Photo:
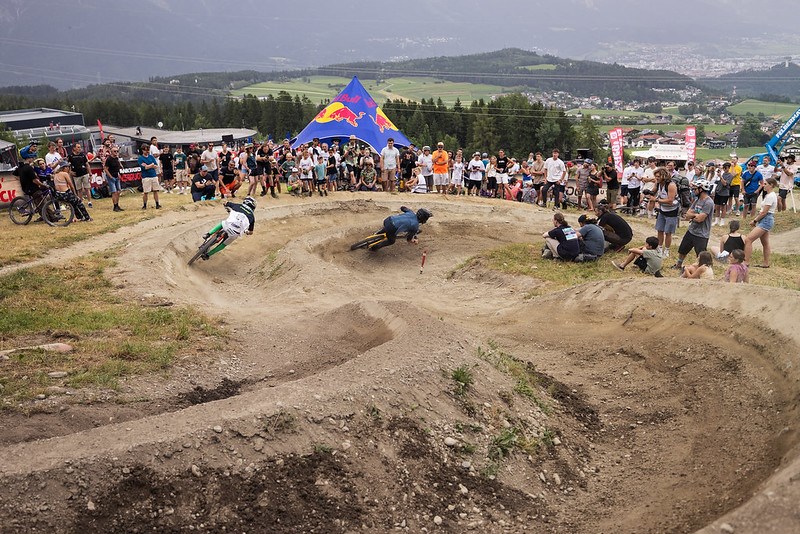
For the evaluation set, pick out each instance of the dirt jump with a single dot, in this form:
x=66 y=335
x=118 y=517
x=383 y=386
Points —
x=356 y=394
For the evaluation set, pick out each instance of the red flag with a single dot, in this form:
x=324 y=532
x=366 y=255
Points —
x=100 y=125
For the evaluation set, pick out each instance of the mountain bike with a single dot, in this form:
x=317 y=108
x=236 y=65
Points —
x=53 y=211
x=210 y=242
x=370 y=240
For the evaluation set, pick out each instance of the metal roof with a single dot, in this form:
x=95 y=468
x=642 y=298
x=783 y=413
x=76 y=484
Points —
x=170 y=137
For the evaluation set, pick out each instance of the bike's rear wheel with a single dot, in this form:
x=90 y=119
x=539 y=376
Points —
x=57 y=212
x=212 y=240
x=21 y=210
x=371 y=240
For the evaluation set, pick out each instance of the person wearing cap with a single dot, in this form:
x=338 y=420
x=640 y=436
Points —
x=753 y=183
x=786 y=170
x=441 y=168
x=425 y=164
x=475 y=172
x=203 y=187
x=609 y=177
x=368 y=178
x=229 y=181
x=29 y=181
x=149 y=169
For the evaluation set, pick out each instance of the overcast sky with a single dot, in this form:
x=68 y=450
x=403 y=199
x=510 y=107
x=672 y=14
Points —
x=94 y=41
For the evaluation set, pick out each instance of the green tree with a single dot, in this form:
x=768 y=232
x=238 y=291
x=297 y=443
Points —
x=750 y=133
x=588 y=135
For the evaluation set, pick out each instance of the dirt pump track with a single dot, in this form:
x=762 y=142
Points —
x=331 y=409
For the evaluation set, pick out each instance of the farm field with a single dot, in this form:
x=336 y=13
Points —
x=776 y=110
x=320 y=88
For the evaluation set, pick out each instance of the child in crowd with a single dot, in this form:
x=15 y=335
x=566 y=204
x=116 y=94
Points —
x=416 y=183
x=295 y=184
x=457 y=176
x=737 y=271
x=701 y=269
x=731 y=241
x=320 y=170
x=647 y=258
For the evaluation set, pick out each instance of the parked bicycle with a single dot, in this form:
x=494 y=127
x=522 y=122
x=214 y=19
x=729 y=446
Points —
x=53 y=211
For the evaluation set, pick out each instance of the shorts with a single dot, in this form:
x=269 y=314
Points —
x=388 y=174
x=441 y=179
x=750 y=199
x=592 y=190
x=502 y=178
x=767 y=223
x=150 y=184
x=457 y=180
x=623 y=190
x=474 y=183
x=491 y=182
x=691 y=241
x=611 y=196
x=783 y=193
x=735 y=190
x=181 y=175
x=114 y=184
x=82 y=182
x=721 y=200
x=722 y=257
x=668 y=225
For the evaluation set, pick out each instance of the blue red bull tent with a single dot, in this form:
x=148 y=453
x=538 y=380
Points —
x=352 y=112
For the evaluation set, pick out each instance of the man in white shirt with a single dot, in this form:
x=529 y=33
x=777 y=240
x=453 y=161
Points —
x=425 y=164
x=555 y=175
x=649 y=184
x=766 y=169
x=209 y=159
x=389 y=163
x=633 y=175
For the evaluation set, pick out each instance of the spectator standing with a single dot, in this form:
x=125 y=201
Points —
x=635 y=173
x=111 y=170
x=441 y=168
x=752 y=181
x=735 y=204
x=180 y=169
x=582 y=181
x=502 y=167
x=457 y=179
x=167 y=163
x=52 y=157
x=555 y=173
x=609 y=176
x=722 y=193
x=476 y=170
x=593 y=186
x=79 y=168
x=155 y=151
x=149 y=167
x=699 y=215
x=60 y=148
x=425 y=164
x=389 y=164
x=263 y=170
x=209 y=159
x=787 y=171
x=408 y=162
x=668 y=209
x=537 y=175
x=763 y=223
x=649 y=185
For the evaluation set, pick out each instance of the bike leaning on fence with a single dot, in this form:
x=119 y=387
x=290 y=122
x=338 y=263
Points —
x=53 y=211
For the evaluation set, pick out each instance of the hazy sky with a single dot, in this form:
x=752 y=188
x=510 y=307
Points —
x=94 y=41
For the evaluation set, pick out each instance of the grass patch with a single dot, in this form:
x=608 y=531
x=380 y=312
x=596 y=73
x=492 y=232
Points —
x=463 y=378
x=524 y=373
x=111 y=338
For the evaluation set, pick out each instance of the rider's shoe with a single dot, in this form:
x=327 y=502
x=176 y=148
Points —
x=206 y=236
x=204 y=256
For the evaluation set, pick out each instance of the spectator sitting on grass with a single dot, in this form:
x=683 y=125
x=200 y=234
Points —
x=701 y=269
x=737 y=271
x=731 y=241
x=647 y=258
x=562 y=241
x=590 y=237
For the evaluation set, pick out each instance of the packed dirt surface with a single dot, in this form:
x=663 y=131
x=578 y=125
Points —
x=640 y=405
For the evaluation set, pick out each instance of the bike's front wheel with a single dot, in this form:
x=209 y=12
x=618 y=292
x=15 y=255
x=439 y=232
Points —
x=212 y=240
x=21 y=210
x=371 y=240
x=57 y=212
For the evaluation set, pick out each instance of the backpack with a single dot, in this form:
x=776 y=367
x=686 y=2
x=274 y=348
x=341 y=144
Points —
x=684 y=190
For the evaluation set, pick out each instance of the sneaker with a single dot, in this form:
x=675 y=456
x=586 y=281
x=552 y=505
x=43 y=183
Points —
x=204 y=256
x=169 y=191
x=326 y=193
x=677 y=267
x=274 y=195
x=158 y=206
x=144 y=206
x=660 y=251
x=547 y=254
x=119 y=208
x=89 y=204
x=206 y=236
x=665 y=253
x=618 y=266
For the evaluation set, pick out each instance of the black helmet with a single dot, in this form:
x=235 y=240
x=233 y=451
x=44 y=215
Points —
x=250 y=202
x=423 y=215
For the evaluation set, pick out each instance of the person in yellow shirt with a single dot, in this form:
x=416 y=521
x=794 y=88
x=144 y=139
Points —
x=441 y=168
x=736 y=187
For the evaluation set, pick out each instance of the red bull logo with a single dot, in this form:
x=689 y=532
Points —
x=382 y=121
x=338 y=112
